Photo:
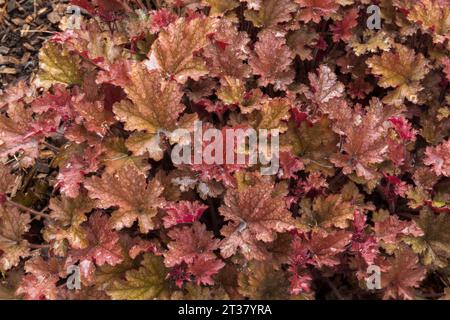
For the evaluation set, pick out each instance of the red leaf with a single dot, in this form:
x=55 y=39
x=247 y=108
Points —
x=227 y=51
x=403 y=128
x=203 y=269
x=446 y=63
x=183 y=212
x=300 y=282
x=390 y=229
x=342 y=30
x=320 y=248
x=314 y=10
x=324 y=86
x=272 y=60
x=254 y=214
x=58 y=101
x=16 y=93
x=160 y=19
x=439 y=158
x=363 y=244
x=190 y=243
x=314 y=182
x=289 y=165
x=40 y=281
x=142 y=246
x=72 y=172
x=103 y=246
x=403 y=273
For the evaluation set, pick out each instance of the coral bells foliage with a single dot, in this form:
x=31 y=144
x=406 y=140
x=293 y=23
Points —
x=88 y=183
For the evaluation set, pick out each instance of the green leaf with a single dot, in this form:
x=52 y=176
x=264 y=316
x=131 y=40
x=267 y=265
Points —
x=57 y=65
x=434 y=246
x=261 y=281
x=194 y=292
x=149 y=282
x=314 y=144
x=220 y=7
x=13 y=225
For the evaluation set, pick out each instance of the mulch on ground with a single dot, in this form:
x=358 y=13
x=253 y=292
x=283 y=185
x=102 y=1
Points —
x=24 y=26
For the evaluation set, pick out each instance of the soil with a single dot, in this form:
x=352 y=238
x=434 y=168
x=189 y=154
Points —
x=24 y=26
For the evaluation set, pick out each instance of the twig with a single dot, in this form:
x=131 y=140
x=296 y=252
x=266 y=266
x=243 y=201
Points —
x=443 y=278
x=50 y=146
x=126 y=7
x=39 y=246
x=140 y=5
x=157 y=4
x=320 y=164
x=38 y=31
x=116 y=158
x=22 y=207
x=42 y=211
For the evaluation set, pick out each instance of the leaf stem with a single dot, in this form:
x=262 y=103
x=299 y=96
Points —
x=22 y=207
x=39 y=246
x=126 y=7
x=38 y=31
x=50 y=146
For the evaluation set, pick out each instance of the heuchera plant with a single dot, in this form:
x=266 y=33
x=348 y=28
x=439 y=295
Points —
x=88 y=188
